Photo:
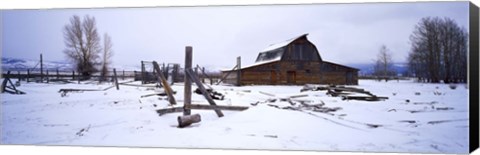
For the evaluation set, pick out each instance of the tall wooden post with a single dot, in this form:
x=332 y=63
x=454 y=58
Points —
x=239 y=72
x=143 y=73
x=188 y=83
x=203 y=76
x=115 y=78
x=41 y=67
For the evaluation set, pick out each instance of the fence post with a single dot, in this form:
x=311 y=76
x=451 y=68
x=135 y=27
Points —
x=143 y=73
x=48 y=79
x=41 y=68
x=28 y=75
x=73 y=75
x=123 y=75
x=188 y=83
x=58 y=76
x=239 y=72
x=115 y=78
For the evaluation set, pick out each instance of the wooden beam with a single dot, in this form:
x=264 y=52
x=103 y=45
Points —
x=169 y=110
x=207 y=96
x=200 y=107
x=164 y=83
x=216 y=107
x=187 y=82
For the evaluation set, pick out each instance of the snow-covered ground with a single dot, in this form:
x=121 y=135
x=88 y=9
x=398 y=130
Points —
x=435 y=121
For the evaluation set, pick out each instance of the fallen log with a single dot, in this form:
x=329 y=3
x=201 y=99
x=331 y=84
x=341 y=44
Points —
x=364 y=98
x=184 y=121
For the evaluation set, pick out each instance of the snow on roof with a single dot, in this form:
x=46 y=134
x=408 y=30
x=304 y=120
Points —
x=282 y=44
x=255 y=64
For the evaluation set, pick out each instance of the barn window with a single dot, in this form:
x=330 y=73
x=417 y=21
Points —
x=302 y=51
x=270 y=55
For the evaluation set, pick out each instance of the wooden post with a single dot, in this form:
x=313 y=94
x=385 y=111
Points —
x=123 y=75
x=28 y=75
x=239 y=72
x=58 y=76
x=188 y=83
x=48 y=79
x=115 y=78
x=143 y=73
x=41 y=68
x=203 y=76
x=73 y=75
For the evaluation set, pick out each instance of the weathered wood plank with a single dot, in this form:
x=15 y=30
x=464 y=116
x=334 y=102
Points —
x=169 y=110
x=214 y=107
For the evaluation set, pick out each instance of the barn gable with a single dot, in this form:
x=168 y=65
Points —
x=298 y=48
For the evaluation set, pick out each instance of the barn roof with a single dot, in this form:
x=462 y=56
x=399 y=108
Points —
x=275 y=51
x=282 y=44
x=341 y=65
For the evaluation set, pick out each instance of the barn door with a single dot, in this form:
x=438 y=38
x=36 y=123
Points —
x=273 y=77
x=349 y=78
x=291 y=77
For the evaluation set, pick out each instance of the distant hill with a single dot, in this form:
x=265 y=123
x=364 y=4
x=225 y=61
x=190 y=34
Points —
x=367 y=68
x=15 y=64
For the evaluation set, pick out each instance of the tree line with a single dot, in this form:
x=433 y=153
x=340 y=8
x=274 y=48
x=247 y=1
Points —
x=84 y=48
x=438 y=51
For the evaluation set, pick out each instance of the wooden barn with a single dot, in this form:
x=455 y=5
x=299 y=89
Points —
x=293 y=62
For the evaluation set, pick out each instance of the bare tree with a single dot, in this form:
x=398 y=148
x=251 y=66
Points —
x=107 y=55
x=438 y=51
x=384 y=64
x=82 y=44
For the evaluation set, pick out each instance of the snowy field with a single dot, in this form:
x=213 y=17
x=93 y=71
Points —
x=423 y=118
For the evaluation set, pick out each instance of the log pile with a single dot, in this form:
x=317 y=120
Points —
x=346 y=93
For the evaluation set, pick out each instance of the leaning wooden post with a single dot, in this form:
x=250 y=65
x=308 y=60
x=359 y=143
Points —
x=188 y=83
x=115 y=78
x=239 y=72
x=41 y=68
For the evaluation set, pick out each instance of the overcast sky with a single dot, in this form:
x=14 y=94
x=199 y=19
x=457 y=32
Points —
x=343 y=33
